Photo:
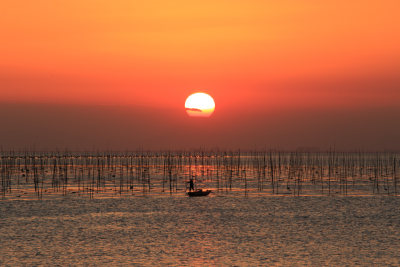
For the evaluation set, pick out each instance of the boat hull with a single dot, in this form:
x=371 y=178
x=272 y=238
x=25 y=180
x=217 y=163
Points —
x=199 y=193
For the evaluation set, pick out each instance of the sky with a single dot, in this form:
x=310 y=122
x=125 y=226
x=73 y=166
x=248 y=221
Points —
x=283 y=74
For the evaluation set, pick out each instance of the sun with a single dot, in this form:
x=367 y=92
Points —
x=199 y=105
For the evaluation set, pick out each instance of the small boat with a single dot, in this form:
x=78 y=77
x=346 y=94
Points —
x=199 y=193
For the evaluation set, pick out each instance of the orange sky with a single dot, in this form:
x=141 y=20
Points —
x=258 y=56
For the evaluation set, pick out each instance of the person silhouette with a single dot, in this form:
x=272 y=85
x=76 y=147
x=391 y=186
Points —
x=191 y=185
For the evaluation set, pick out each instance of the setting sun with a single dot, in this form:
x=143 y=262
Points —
x=199 y=105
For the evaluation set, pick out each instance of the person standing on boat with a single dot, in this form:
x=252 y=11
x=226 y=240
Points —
x=191 y=185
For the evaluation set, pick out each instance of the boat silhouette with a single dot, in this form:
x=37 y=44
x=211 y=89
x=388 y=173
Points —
x=199 y=193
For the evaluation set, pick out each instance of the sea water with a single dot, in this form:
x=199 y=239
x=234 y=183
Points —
x=219 y=230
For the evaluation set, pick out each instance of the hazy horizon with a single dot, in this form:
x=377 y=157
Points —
x=82 y=127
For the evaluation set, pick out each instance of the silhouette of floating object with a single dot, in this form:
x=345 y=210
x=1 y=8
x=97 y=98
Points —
x=199 y=193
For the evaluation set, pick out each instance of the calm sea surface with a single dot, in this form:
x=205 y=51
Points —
x=222 y=229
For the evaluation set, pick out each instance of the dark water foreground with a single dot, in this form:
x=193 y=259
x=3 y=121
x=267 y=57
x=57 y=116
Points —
x=219 y=230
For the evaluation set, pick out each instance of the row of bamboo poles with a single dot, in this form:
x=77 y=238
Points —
x=273 y=172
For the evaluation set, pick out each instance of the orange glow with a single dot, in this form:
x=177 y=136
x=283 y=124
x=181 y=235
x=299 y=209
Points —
x=260 y=60
x=125 y=52
x=199 y=105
